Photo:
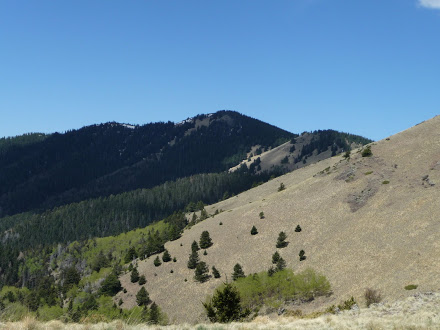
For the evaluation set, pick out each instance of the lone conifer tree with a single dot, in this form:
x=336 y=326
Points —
x=254 y=230
x=142 y=297
x=157 y=262
x=225 y=305
x=215 y=272
x=154 y=314
x=205 y=240
x=134 y=275
x=275 y=257
x=201 y=272
x=302 y=255
x=194 y=246
x=166 y=256
x=193 y=260
x=281 y=264
x=142 y=280
x=298 y=229
x=238 y=272
x=281 y=242
x=281 y=187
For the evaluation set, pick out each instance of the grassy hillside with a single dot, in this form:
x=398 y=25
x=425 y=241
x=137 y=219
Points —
x=366 y=222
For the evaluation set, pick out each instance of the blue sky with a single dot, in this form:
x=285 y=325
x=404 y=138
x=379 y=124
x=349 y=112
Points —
x=368 y=67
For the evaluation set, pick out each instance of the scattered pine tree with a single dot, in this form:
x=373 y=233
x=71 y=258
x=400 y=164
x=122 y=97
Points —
x=142 y=297
x=302 y=255
x=281 y=242
x=238 y=272
x=275 y=257
x=215 y=272
x=142 y=280
x=134 y=275
x=201 y=272
x=193 y=260
x=261 y=215
x=298 y=229
x=254 y=230
x=166 y=256
x=281 y=187
x=205 y=240
x=281 y=264
x=157 y=262
x=194 y=246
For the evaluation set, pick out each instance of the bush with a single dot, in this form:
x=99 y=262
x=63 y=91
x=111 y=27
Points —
x=372 y=297
x=302 y=255
x=298 y=229
x=261 y=215
x=411 y=287
x=281 y=187
x=367 y=152
x=347 y=304
x=385 y=182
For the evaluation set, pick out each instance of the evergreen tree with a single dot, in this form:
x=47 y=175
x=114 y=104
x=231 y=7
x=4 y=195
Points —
x=281 y=187
x=134 y=275
x=142 y=280
x=205 y=240
x=298 y=229
x=254 y=230
x=215 y=272
x=225 y=305
x=261 y=215
x=281 y=264
x=193 y=260
x=194 y=246
x=142 y=297
x=166 y=256
x=194 y=218
x=205 y=253
x=111 y=285
x=201 y=272
x=238 y=272
x=281 y=242
x=203 y=215
x=131 y=254
x=275 y=257
x=302 y=255
x=154 y=314
x=157 y=262
x=101 y=261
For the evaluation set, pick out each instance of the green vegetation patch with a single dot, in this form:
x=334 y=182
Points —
x=385 y=182
x=261 y=289
x=368 y=173
x=411 y=287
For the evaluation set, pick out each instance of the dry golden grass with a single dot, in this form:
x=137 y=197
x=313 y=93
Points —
x=357 y=231
x=420 y=311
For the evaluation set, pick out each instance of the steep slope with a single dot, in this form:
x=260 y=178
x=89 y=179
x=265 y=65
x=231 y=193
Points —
x=366 y=222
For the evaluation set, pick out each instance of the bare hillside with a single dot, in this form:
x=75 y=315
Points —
x=366 y=222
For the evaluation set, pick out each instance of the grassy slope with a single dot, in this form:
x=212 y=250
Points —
x=357 y=231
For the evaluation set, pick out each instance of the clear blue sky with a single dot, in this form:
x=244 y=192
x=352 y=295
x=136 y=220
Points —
x=370 y=67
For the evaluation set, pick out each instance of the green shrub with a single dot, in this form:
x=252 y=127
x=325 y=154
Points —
x=368 y=173
x=366 y=152
x=411 y=287
x=298 y=229
x=261 y=215
x=347 y=304
x=281 y=187
x=385 y=182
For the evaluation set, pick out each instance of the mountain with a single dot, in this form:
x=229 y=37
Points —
x=110 y=158
x=367 y=222
x=76 y=205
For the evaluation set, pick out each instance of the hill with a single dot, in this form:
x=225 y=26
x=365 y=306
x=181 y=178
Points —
x=100 y=160
x=366 y=222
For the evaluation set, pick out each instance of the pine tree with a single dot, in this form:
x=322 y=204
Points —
x=298 y=229
x=111 y=285
x=254 y=230
x=154 y=314
x=261 y=215
x=194 y=246
x=215 y=272
x=205 y=253
x=166 y=256
x=238 y=272
x=131 y=254
x=142 y=297
x=225 y=305
x=281 y=187
x=281 y=264
x=281 y=242
x=157 y=262
x=142 y=280
x=193 y=260
x=134 y=275
x=275 y=257
x=201 y=272
x=205 y=240
x=302 y=255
